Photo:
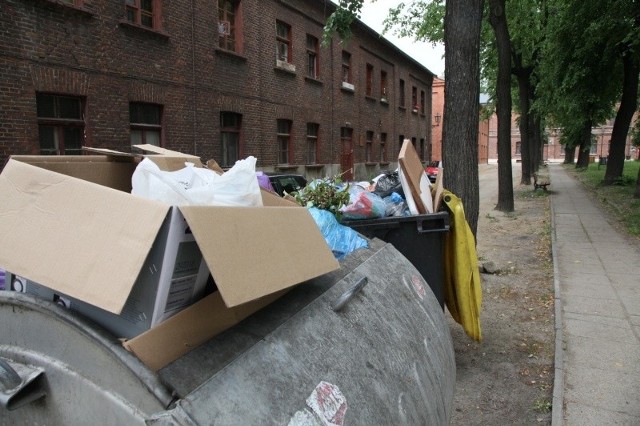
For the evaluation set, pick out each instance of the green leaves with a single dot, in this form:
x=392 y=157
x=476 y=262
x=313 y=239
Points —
x=326 y=194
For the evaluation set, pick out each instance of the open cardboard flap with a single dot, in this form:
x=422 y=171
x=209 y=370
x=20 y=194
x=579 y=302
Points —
x=255 y=251
x=414 y=173
x=74 y=236
x=153 y=149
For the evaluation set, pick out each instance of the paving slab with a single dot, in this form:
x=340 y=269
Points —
x=597 y=283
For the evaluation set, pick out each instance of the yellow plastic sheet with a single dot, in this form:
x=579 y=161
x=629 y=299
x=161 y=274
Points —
x=462 y=290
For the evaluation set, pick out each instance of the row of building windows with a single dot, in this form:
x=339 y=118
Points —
x=147 y=14
x=61 y=128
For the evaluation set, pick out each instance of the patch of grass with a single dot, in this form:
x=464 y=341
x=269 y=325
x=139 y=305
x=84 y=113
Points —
x=542 y=406
x=619 y=196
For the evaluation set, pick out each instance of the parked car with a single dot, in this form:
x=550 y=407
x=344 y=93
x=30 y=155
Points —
x=289 y=183
x=432 y=170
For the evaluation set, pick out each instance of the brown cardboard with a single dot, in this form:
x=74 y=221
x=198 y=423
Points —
x=190 y=328
x=90 y=241
x=74 y=236
x=416 y=177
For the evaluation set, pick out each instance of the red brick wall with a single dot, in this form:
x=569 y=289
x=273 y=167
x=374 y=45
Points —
x=48 y=47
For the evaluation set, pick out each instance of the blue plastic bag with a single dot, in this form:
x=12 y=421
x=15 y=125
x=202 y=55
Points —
x=341 y=239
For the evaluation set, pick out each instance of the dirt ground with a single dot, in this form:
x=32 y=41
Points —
x=508 y=378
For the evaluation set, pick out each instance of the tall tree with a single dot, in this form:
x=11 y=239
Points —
x=579 y=78
x=462 y=25
x=498 y=20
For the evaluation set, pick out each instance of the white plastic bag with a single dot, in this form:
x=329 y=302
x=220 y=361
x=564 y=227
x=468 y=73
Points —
x=198 y=186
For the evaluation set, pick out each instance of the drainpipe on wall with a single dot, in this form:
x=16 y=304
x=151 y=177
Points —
x=193 y=76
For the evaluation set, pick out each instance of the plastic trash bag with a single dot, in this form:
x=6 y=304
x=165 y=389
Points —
x=366 y=205
x=341 y=239
x=264 y=181
x=198 y=186
x=387 y=183
x=395 y=205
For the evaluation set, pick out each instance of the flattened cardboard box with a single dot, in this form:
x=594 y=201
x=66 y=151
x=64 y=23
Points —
x=419 y=184
x=89 y=238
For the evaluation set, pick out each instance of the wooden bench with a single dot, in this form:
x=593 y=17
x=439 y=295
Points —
x=540 y=181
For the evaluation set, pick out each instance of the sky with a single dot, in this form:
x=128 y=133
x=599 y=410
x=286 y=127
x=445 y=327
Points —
x=374 y=13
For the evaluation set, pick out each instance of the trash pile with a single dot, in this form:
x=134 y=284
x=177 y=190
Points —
x=143 y=246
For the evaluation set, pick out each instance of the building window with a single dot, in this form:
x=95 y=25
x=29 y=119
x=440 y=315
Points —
x=346 y=67
x=422 y=102
x=312 y=143
x=230 y=126
x=368 y=147
x=414 y=99
x=60 y=124
x=383 y=85
x=518 y=148
x=400 y=142
x=283 y=37
x=145 y=121
x=312 y=57
x=284 y=141
x=383 y=147
x=229 y=25
x=369 y=81
x=144 y=12
x=401 y=94
x=422 y=150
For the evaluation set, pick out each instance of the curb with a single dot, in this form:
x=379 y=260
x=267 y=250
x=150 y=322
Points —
x=557 y=413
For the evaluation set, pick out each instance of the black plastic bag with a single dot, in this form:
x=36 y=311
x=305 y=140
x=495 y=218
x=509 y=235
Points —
x=387 y=183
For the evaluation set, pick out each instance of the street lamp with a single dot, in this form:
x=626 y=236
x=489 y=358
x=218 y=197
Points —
x=436 y=118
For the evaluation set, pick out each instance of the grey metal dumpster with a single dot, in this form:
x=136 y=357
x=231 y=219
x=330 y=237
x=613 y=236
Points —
x=366 y=344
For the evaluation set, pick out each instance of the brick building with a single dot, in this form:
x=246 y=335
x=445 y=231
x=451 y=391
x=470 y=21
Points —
x=222 y=80
x=553 y=151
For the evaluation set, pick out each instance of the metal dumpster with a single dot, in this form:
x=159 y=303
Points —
x=365 y=344
x=420 y=238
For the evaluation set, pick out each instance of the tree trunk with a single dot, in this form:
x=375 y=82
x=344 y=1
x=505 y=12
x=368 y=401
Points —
x=525 y=148
x=498 y=22
x=569 y=154
x=585 y=146
x=628 y=103
x=637 y=193
x=462 y=23
x=537 y=137
x=531 y=140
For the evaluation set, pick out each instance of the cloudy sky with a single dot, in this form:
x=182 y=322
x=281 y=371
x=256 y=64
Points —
x=373 y=14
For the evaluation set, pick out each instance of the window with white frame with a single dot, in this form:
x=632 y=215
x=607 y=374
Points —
x=283 y=39
x=383 y=85
x=60 y=124
x=145 y=123
x=346 y=67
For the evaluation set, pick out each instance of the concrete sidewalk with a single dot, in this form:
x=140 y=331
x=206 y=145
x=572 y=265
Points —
x=597 y=287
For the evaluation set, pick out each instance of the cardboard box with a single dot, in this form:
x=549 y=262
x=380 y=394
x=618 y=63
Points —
x=173 y=277
x=70 y=223
x=416 y=177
